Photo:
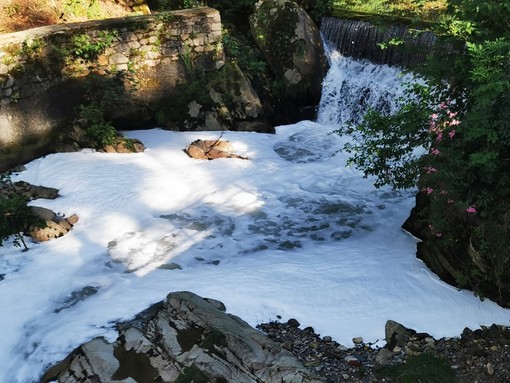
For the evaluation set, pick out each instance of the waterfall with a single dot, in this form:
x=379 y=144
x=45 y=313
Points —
x=360 y=39
x=352 y=87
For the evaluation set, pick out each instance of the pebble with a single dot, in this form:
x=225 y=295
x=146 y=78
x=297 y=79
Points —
x=490 y=369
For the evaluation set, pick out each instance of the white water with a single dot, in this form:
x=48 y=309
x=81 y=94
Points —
x=291 y=232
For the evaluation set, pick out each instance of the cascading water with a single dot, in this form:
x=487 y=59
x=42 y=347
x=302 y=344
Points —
x=352 y=87
x=359 y=39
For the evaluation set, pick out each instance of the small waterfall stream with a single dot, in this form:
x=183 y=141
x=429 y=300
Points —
x=360 y=39
x=352 y=87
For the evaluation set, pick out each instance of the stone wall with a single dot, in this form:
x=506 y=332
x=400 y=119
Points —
x=45 y=72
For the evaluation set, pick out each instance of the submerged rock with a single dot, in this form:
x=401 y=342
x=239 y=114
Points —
x=186 y=338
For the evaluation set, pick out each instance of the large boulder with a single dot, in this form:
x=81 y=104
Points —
x=214 y=101
x=291 y=44
x=186 y=339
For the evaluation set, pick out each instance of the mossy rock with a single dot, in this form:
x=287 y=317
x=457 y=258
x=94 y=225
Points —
x=291 y=44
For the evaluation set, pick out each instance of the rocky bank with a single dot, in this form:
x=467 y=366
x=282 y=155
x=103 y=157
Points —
x=187 y=338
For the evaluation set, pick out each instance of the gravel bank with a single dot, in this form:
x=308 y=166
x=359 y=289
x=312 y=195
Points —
x=479 y=356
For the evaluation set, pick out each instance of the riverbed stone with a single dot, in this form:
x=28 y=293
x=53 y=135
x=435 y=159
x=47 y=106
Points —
x=396 y=334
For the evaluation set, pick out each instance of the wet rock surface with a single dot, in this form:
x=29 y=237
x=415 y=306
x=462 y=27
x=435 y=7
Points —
x=481 y=355
x=186 y=339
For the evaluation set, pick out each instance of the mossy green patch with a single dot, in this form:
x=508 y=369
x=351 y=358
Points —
x=192 y=374
x=423 y=368
x=214 y=338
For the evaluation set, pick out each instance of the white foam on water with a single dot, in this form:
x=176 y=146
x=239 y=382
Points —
x=292 y=232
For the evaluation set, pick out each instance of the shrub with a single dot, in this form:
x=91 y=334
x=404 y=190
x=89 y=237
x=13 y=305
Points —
x=85 y=47
x=462 y=120
x=98 y=130
x=15 y=217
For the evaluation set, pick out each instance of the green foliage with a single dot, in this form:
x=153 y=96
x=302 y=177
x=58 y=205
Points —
x=233 y=11
x=385 y=146
x=31 y=47
x=165 y=16
x=423 y=10
x=489 y=18
x=392 y=42
x=15 y=217
x=320 y=9
x=88 y=48
x=464 y=124
x=187 y=56
x=423 y=368
x=83 y=8
x=98 y=130
x=104 y=95
x=239 y=49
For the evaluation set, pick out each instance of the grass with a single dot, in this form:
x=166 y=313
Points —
x=428 y=11
x=424 y=368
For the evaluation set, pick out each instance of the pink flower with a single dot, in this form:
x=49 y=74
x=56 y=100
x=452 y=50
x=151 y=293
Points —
x=439 y=136
x=434 y=116
x=439 y=235
x=431 y=227
x=450 y=201
x=443 y=105
x=431 y=169
x=452 y=114
x=432 y=126
x=435 y=151
x=454 y=122
x=471 y=209
x=444 y=192
x=428 y=190
x=451 y=134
